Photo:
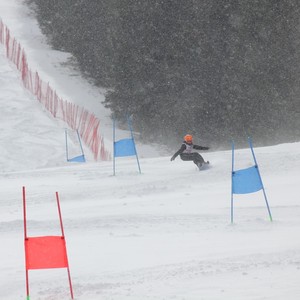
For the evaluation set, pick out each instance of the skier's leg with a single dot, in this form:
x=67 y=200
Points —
x=187 y=156
x=198 y=159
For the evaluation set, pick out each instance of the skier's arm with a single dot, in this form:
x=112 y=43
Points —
x=197 y=147
x=182 y=148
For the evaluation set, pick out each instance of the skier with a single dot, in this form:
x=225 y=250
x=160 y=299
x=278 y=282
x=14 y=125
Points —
x=187 y=152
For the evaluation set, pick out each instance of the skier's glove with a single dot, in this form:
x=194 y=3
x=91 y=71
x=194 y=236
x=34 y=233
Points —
x=172 y=158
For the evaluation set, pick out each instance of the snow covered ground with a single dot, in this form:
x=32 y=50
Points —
x=163 y=235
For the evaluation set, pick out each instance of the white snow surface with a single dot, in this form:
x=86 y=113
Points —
x=160 y=235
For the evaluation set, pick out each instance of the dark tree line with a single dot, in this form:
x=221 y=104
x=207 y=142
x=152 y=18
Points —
x=216 y=69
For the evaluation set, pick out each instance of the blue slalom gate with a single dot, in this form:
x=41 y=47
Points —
x=79 y=158
x=124 y=147
x=247 y=180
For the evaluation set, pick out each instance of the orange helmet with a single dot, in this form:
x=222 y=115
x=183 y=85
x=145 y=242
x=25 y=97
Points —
x=188 y=138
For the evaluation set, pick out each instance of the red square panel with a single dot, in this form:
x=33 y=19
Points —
x=45 y=252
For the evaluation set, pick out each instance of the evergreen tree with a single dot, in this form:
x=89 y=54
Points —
x=217 y=69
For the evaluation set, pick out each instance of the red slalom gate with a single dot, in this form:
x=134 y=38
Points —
x=45 y=252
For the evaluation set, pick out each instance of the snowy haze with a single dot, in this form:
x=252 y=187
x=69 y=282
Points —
x=164 y=234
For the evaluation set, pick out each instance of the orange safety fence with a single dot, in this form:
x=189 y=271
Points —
x=77 y=118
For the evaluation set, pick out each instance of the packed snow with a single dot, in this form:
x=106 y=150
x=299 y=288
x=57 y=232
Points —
x=164 y=234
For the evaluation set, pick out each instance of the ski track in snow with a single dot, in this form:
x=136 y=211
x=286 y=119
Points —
x=164 y=234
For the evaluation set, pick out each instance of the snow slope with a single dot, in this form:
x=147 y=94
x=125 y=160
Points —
x=53 y=67
x=164 y=234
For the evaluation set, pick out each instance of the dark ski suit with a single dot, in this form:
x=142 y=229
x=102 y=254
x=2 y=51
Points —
x=187 y=153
